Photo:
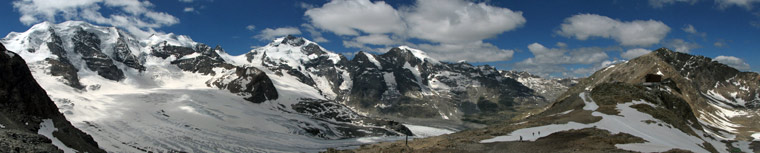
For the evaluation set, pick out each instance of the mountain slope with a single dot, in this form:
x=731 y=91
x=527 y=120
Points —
x=27 y=111
x=615 y=112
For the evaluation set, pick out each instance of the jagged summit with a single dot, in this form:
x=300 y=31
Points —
x=408 y=54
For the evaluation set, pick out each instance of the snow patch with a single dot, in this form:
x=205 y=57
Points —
x=10 y=54
x=533 y=133
x=46 y=129
x=373 y=59
x=590 y=104
x=426 y=131
x=193 y=55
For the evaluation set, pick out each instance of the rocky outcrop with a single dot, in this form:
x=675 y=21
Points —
x=248 y=81
x=24 y=105
x=62 y=66
x=88 y=45
x=123 y=54
x=202 y=59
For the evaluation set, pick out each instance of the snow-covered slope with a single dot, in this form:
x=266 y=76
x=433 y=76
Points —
x=169 y=93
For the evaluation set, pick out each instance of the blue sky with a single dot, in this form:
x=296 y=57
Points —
x=557 y=38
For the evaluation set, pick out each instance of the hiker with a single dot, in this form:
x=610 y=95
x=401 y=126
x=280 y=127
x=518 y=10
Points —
x=534 y=133
x=539 y=132
x=520 y=138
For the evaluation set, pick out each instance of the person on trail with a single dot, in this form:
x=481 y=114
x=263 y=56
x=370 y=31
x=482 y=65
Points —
x=520 y=138
x=534 y=133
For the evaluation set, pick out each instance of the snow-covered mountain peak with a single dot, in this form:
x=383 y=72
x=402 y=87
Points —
x=292 y=51
x=408 y=54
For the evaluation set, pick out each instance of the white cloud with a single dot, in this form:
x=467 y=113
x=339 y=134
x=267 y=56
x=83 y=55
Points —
x=733 y=62
x=633 y=53
x=719 y=44
x=747 y=4
x=631 y=33
x=447 y=27
x=475 y=51
x=269 y=34
x=681 y=45
x=134 y=15
x=456 y=21
x=250 y=27
x=662 y=3
x=374 y=39
x=316 y=35
x=186 y=1
x=189 y=9
x=691 y=30
x=553 y=61
x=345 y=17
x=561 y=45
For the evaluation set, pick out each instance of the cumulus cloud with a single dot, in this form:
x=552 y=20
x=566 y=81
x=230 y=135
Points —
x=316 y=35
x=663 y=3
x=691 y=30
x=475 y=51
x=350 y=17
x=186 y=1
x=443 y=25
x=631 y=33
x=633 y=53
x=681 y=45
x=455 y=21
x=560 y=61
x=561 y=45
x=375 y=39
x=732 y=61
x=269 y=34
x=134 y=15
x=250 y=27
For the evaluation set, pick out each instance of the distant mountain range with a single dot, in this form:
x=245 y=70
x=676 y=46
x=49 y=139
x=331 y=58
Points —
x=169 y=93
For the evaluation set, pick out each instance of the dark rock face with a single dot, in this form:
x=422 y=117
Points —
x=248 y=81
x=88 y=45
x=62 y=66
x=293 y=40
x=204 y=63
x=473 y=90
x=340 y=118
x=165 y=50
x=23 y=106
x=122 y=53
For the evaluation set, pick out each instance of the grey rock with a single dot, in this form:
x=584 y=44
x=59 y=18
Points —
x=88 y=45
